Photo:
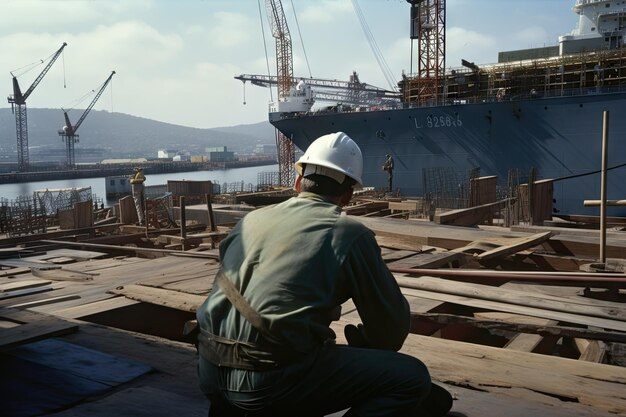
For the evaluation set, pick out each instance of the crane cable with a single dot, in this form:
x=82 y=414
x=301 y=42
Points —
x=267 y=61
x=295 y=16
x=387 y=73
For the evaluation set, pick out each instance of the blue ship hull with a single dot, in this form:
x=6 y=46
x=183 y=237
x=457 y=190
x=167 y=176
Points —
x=558 y=136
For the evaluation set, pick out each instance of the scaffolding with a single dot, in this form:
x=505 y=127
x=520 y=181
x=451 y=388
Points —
x=22 y=216
x=267 y=180
x=51 y=201
x=237 y=187
x=446 y=188
x=568 y=75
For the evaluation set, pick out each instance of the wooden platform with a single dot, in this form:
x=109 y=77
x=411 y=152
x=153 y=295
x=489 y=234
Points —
x=513 y=348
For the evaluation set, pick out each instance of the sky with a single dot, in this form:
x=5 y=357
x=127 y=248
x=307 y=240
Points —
x=175 y=60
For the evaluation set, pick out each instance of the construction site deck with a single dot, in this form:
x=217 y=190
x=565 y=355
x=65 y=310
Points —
x=514 y=320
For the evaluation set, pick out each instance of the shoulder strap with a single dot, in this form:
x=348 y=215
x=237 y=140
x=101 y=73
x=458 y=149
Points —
x=245 y=309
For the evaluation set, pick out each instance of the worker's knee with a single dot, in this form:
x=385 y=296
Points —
x=412 y=379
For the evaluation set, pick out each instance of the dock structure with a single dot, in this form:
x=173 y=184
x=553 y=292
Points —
x=508 y=319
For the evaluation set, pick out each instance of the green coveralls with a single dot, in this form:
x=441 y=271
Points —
x=295 y=263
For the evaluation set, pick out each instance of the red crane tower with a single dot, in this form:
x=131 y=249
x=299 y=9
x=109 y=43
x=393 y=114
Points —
x=428 y=26
x=18 y=104
x=284 y=67
x=68 y=133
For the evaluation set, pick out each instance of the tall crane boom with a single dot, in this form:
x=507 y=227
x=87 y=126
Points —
x=68 y=133
x=284 y=67
x=18 y=104
x=351 y=92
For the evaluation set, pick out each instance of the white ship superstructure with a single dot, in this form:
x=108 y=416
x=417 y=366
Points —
x=601 y=25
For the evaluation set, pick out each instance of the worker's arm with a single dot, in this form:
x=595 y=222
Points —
x=382 y=307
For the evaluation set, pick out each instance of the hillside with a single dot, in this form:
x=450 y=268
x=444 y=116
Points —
x=118 y=135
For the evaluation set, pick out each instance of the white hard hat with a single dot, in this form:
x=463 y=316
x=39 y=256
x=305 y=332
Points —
x=334 y=155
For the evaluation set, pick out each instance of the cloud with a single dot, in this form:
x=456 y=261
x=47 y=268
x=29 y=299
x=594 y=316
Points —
x=231 y=29
x=533 y=36
x=17 y=15
x=470 y=45
x=324 y=11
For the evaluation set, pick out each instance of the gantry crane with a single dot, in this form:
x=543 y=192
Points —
x=68 y=133
x=284 y=67
x=18 y=105
x=352 y=92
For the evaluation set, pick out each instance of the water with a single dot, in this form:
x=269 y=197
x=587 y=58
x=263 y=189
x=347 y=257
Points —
x=247 y=175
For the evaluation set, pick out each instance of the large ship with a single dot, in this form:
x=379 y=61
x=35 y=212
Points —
x=537 y=110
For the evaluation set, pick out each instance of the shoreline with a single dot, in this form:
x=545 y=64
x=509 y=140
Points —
x=105 y=170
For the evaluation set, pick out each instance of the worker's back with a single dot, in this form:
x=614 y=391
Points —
x=286 y=261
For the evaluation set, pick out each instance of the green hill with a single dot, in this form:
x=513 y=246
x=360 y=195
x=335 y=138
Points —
x=118 y=135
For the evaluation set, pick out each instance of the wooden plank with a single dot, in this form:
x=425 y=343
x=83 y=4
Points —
x=200 y=286
x=394 y=255
x=25 y=291
x=128 y=211
x=516 y=245
x=493 y=320
x=610 y=221
x=14 y=271
x=34 y=327
x=75 y=254
x=22 y=284
x=486 y=292
x=19 y=263
x=525 y=342
x=483 y=367
x=83 y=214
x=416 y=233
x=45 y=301
x=618 y=325
x=486 y=368
x=397 y=242
x=62 y=275
x=470 y=216
x=430 y=260
x=158 y=296
x=579 y=242
x=594 y=350
x=96 y=307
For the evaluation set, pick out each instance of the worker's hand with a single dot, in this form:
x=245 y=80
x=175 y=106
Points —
x=355 y=336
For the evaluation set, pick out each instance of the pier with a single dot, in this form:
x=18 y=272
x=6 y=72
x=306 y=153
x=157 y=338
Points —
x=48 y=173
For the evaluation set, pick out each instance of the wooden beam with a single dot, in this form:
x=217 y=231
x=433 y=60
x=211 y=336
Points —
x=168 y=298
x=470 y=216
x=591 y=350
x=596 y=203
x=528 y=325
x=491 y=369
x=516 y=245
x=618 y=325
x=33 y=327
x=527 y=342
x=486 y=292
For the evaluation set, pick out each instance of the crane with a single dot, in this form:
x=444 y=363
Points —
x=428 y=26
x=351 y=92
x=284 y=66
x=18 y=105
x=68 y=133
